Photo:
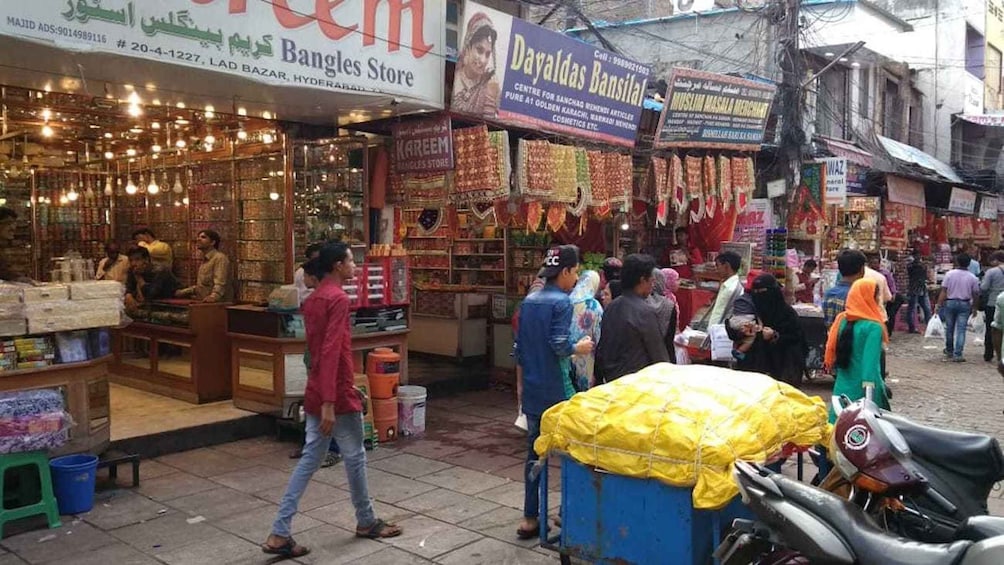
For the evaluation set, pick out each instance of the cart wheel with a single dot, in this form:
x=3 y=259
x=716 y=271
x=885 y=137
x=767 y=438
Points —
x=565 y=559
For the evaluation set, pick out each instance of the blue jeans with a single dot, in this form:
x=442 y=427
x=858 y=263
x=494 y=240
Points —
x=348 y=432
x=922 y=300
x=531 y=499
x=955 y=313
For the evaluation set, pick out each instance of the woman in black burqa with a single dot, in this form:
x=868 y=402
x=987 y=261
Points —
x=780 y=347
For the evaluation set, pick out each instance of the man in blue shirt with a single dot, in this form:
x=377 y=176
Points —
x=851 y=264
x=542 y=346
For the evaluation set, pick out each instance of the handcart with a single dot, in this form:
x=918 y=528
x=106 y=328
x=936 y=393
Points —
x=610 y=519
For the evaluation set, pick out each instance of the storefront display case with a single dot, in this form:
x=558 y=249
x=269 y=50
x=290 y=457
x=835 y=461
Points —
x=176 y=348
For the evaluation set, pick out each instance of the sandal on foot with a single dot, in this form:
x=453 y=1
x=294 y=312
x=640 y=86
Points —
x=288 y=550
x=379 y=530
x=528 y=534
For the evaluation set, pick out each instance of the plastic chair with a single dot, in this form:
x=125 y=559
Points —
x=46 y=504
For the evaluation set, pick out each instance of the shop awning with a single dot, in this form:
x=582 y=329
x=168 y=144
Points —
x=909 y=154
x=848 y=150
x=991 y=120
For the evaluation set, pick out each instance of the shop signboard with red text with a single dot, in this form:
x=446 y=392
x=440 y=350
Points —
x=369 y=46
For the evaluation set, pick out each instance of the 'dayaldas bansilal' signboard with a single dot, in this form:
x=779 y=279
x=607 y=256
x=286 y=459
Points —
x=391 y=47
x=423 y=146
x=714 y=111
x=519 y=73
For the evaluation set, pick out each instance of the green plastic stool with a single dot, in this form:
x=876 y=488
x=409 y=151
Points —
x=47 y=504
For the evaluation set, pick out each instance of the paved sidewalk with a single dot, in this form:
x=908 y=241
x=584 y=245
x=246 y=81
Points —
x=457 y=493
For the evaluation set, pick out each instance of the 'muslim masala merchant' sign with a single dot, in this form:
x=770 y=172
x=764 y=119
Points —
x=714 y=111
x=518 y=73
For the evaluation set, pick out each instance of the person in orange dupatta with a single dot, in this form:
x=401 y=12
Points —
x=855 y=343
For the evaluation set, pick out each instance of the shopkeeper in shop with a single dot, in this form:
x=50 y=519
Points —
x=8 y=225
x=212 y=283
x=160 y=252
x=147 y=280
x=683 y=256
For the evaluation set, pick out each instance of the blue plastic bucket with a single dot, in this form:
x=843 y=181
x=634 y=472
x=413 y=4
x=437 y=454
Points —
x=73 y=482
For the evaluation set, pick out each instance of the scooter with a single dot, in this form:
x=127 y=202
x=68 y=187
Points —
x=801 y=524
x=924 y=483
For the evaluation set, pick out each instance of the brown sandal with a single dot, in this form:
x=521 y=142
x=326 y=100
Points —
x=379 y=530
x=288 y=550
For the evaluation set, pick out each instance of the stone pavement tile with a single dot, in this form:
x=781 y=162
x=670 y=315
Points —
x=148 y=469
x=448 y=506
x=463 y=480
x=459 y=420
x=492 y=398
x=11 y=559
x=166 y=534
x=383 y=451
x=483 y=460
x=317 y=494
x=390 y=488
x=254 y=447
x=222 y=548
x=175 y=485
x=343 y=515
x=430 y=538
x=60 y=544
x=253 y=479
x=276 y=459
x=332 y=546
x=512 y=494
x=119 y=508
x=335 y=476
x=464 y=436
x=432 y=448
x=451 y=403
x=490 y=412
x=205 y=462
x=386 y=556
x=117 y=554
x=494 y=552
x=217 y=504
x=500 y=524
x=516 y=473
x=409 y=465
x=255 y=525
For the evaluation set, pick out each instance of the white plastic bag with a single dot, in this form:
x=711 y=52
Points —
x=721 y=344
x=975 y=323
x=521 y=420
x=935 y=328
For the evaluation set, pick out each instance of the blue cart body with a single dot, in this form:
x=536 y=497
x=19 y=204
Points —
x=613 y=519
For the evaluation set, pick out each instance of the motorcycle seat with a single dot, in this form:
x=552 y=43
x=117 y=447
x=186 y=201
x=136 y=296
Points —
x=966 y=453
x=977 y=528
x=870 y=543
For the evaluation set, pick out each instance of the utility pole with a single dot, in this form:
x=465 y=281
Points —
x=790 y=91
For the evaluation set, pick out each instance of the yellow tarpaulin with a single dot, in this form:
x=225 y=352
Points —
x=685 y=425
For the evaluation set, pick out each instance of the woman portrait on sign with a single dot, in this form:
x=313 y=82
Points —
x=476 y=88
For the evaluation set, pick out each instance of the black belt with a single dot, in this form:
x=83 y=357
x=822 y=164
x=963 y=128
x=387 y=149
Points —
x=961 y=299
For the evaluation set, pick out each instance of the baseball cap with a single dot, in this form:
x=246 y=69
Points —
x=558 y=259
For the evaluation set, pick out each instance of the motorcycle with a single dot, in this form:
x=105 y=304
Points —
x=920 y=482
x=801 y=524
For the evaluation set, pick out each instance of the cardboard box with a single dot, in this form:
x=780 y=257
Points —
x=46 y=293
x=89 y=290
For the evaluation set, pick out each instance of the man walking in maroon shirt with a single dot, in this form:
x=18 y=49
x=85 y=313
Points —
x=333 y=406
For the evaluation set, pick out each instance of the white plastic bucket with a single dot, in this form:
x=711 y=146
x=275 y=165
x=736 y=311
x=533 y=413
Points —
x=411 y=410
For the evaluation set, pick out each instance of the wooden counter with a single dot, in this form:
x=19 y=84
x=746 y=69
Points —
x=85 y=387
x=188 y=363
x=266 y=372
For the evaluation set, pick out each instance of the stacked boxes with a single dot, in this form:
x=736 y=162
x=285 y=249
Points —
x=12 y=320
x=78 y=306
x=32 y=352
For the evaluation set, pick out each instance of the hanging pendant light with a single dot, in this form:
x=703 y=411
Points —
x=108 y=186
x=130 y=187
x=152 y=188
x=178 y=189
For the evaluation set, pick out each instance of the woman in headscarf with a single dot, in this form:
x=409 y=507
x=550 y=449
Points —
x=476 y=88
x=779 y=349
x=672 y=285
x=665 y=310
x=855 y=342
x=586 y=317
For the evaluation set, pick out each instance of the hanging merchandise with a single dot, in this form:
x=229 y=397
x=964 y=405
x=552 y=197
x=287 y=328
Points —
x=482 y=210
x=695 y=188
x=539 y=165
x=659 y=178
x=806 y=217
x=430 y=220
x=598 y=179
x=585 y=195
x=476 y=176
x=677 y=188
x=620 y=174
x=565 y=174
x=710 y=187
x=743 y=181
x=503 y=155
x=534 y=214
x=556 y=214
x=725 y=182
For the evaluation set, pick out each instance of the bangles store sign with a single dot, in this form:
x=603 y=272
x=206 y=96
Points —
x=359 y=45
x=519 y=73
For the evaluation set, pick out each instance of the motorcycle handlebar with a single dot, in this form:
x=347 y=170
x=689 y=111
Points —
x=941 y=501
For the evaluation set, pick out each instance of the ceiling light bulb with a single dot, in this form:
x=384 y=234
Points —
x=210 y=139
x=109 y=155
x=134 y=98
x=273 y=195
x=63 y=199
x=130 y=187
x=47 y=131
x=72 y=195
x=131 y=152
x=135 y=111
x=156 y=101
x=242 y=135
x=156 y=148
x=625 y=226
x=152 y=188
x=108 y=186
x=177 y=203
x=46 y=114
x=266 y=138
x=184 y=201
x=181 y=105
x=155 y=125
x=180 y=144
x=210 y=111
x=267 y=115
x=242 y=111
x=135 y=129
x=108 y=135
x=178 y=189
